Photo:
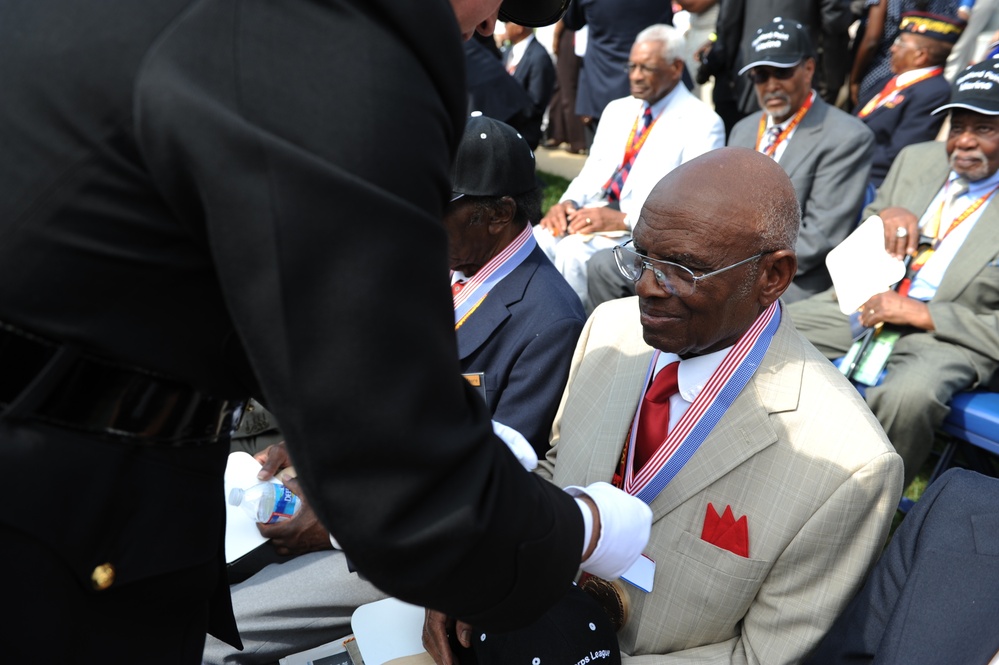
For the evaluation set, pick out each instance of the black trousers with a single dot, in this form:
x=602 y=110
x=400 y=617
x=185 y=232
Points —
x=52 y=619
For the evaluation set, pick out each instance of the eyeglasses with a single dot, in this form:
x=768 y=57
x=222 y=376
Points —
x=760 y=75
x=645 y=69
x=678 y=280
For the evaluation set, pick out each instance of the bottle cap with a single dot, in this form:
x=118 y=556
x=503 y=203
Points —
x=235 y=496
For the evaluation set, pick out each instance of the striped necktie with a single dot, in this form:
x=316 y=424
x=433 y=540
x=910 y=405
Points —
x=612 y=190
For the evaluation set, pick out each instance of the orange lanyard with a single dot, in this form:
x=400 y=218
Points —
x=635 y=144
x=925 y=255
x=884 y=95
x=769 y=152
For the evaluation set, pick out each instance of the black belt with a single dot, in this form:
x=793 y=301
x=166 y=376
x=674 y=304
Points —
x=56 y=384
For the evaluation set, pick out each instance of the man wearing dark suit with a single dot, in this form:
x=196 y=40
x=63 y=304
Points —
x=522 y=333
x=515 y=338
x=531 y=66
x=181 y=185
x=937 y=204
x=934 y=595
x=902 y=112
x=612 y=26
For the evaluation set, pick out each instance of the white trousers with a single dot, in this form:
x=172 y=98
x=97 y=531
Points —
x=570 y=253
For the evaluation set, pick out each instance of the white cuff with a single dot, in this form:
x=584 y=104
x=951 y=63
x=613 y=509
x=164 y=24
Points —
x=518 y=445
x=625 y=525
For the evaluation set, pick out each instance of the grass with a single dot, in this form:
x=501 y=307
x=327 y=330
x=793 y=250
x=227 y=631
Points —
x=555 y=186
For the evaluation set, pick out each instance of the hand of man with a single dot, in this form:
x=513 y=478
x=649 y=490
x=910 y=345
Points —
x=557 y=220
x=904 y=242
x=891 y=307
x=275 y=461
x=854 y=93
x=593 y=220
x=435 y=631
x=302 y=534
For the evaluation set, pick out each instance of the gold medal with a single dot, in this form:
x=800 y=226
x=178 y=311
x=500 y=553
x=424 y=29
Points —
x=612 y=597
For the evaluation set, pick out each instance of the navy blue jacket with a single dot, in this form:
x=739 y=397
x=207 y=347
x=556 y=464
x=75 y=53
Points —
x=536 y=74
x=934 y=595
x=613 y=26
x=905 y=120
x=522 y=337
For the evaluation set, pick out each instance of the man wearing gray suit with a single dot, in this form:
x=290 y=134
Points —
x=827 y=153
x=937 y=206
x=772 y=486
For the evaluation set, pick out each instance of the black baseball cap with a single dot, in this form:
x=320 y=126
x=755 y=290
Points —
x=575 y=630
x=533 y=13
x=782 y=42
x=975 y=89
x=493 y=160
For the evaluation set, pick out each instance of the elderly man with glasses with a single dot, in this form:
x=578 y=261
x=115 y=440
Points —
x=700 y=398
x=826 y=153
x=640 y=139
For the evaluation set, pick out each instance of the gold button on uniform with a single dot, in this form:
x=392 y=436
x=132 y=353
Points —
x=102 y=577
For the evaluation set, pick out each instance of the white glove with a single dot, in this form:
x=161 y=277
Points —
x=518 y=445
x=625 y=525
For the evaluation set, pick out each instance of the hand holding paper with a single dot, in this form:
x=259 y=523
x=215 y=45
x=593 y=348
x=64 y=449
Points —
x=861 y=268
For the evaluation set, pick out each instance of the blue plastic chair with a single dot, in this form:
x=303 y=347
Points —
x=972 y=427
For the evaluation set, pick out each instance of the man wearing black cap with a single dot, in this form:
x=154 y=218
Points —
x=902 y=112
x=182 y=185
x=937 y=204
x=826 y=152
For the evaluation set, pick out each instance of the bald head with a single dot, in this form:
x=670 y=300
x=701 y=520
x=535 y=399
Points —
x=731 y=218
x=743 y=193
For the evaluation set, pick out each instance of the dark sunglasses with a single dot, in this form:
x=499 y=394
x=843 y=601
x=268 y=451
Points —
x=760 y=75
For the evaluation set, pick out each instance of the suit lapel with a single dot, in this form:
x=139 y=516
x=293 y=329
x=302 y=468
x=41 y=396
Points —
x=624 y=389
x=809 y=127
x=980 y=247
x=494 y=310
x=745 y=429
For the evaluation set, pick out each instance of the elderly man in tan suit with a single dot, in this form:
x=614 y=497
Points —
x=772 y=487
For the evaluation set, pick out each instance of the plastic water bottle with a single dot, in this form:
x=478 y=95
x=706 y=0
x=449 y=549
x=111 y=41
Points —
x=266 y=502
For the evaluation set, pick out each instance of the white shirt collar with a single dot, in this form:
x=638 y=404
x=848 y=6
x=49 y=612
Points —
x=693 y=373
x=905 y=77
x=517 y=51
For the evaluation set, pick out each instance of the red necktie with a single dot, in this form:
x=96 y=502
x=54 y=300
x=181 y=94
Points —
x=654 y=421
x=457 y=287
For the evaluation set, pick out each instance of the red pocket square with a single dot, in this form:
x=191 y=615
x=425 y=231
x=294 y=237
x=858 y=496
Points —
x=725 y=531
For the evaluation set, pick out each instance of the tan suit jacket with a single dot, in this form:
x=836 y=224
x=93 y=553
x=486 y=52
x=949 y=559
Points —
x=798 y=453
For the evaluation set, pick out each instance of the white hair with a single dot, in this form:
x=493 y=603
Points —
x=670 y=38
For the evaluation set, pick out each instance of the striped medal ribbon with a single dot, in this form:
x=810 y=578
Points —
x=481 y=283
x=719 y=393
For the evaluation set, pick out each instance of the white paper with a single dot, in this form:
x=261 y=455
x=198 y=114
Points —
x=241 y=533
x=388 y=629
x=860 y=267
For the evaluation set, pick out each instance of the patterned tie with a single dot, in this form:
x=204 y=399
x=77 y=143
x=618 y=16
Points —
x=770 y=140
x=654 y=421
x=457 y=287
x=612 y=190
x=957 y=188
